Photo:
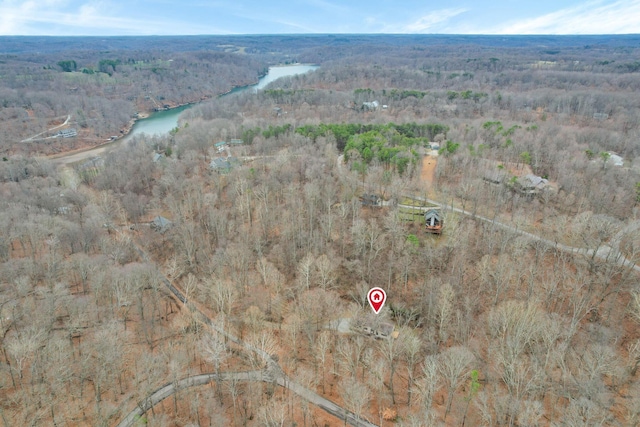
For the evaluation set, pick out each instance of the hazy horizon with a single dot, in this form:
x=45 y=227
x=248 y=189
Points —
x=250 y=17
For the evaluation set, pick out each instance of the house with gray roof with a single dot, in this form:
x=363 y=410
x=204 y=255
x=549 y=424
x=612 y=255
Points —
x=161 y=224
x=222 y=165
x=373 y=326
x=67 y=133
x=531 y=184
x=433 y=221
x=371 y=200
x=615 y=160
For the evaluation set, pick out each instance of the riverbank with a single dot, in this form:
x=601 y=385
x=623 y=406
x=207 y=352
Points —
x=169 y=121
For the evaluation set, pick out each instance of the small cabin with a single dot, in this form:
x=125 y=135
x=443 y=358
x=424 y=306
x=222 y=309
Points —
x=433 y=221
x=371 y=200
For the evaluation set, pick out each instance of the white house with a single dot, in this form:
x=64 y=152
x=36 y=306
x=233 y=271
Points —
x=615 y=160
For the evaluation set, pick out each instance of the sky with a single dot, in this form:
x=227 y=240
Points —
x=189 y=17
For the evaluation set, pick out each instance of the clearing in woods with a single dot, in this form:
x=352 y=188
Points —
x=427 y=174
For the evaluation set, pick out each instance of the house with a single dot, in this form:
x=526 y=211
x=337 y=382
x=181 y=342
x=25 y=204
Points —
x=531 y=184
x=161 y=224
x=236 y=142
x=371 y=200
x=615 y=160
x=372 y=326
x=433 y=221
x=63 y=210
x=220 y=146
x=157 y=157
x=370 y=106
x=67 y=133
x=379 y=330
x=221 y=165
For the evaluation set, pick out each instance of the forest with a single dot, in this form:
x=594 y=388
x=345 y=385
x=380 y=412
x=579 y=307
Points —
x=102 y=93
x=174 y=282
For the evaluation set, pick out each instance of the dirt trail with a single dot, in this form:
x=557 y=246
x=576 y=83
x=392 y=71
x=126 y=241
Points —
x=428 y=171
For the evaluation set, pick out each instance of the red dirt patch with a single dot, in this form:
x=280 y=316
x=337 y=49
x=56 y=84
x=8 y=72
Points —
x=428 y=171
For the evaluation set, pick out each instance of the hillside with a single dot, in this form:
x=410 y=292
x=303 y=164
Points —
x=523 y=312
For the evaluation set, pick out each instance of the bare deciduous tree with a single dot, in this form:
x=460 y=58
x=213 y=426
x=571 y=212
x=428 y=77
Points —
x=214 y=351
x=356 y=395
x=453 y=366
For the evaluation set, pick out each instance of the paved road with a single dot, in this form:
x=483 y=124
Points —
x=604 y=252
x=198 y=380
x=272 y=373
x=171 y=388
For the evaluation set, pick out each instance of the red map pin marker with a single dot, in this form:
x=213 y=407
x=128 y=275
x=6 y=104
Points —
x=376 y=297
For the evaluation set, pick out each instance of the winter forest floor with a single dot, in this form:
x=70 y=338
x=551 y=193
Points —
x=522 y=313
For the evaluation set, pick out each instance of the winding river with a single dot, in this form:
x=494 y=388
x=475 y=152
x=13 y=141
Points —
x=162 y=122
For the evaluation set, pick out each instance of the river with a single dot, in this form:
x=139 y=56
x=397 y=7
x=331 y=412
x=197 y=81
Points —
x=162 y=122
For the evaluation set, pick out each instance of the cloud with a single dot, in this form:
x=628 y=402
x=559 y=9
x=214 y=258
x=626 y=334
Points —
x=59 y=17
x=427 y=22
x=595 y=17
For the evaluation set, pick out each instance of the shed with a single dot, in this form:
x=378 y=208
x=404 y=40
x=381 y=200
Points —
x=433 y=221
x=160 y=224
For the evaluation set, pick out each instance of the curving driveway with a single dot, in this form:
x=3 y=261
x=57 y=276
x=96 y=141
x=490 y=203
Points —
x=171 y=388
x=272 y=373
x=603 y=252
x=202 y=379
